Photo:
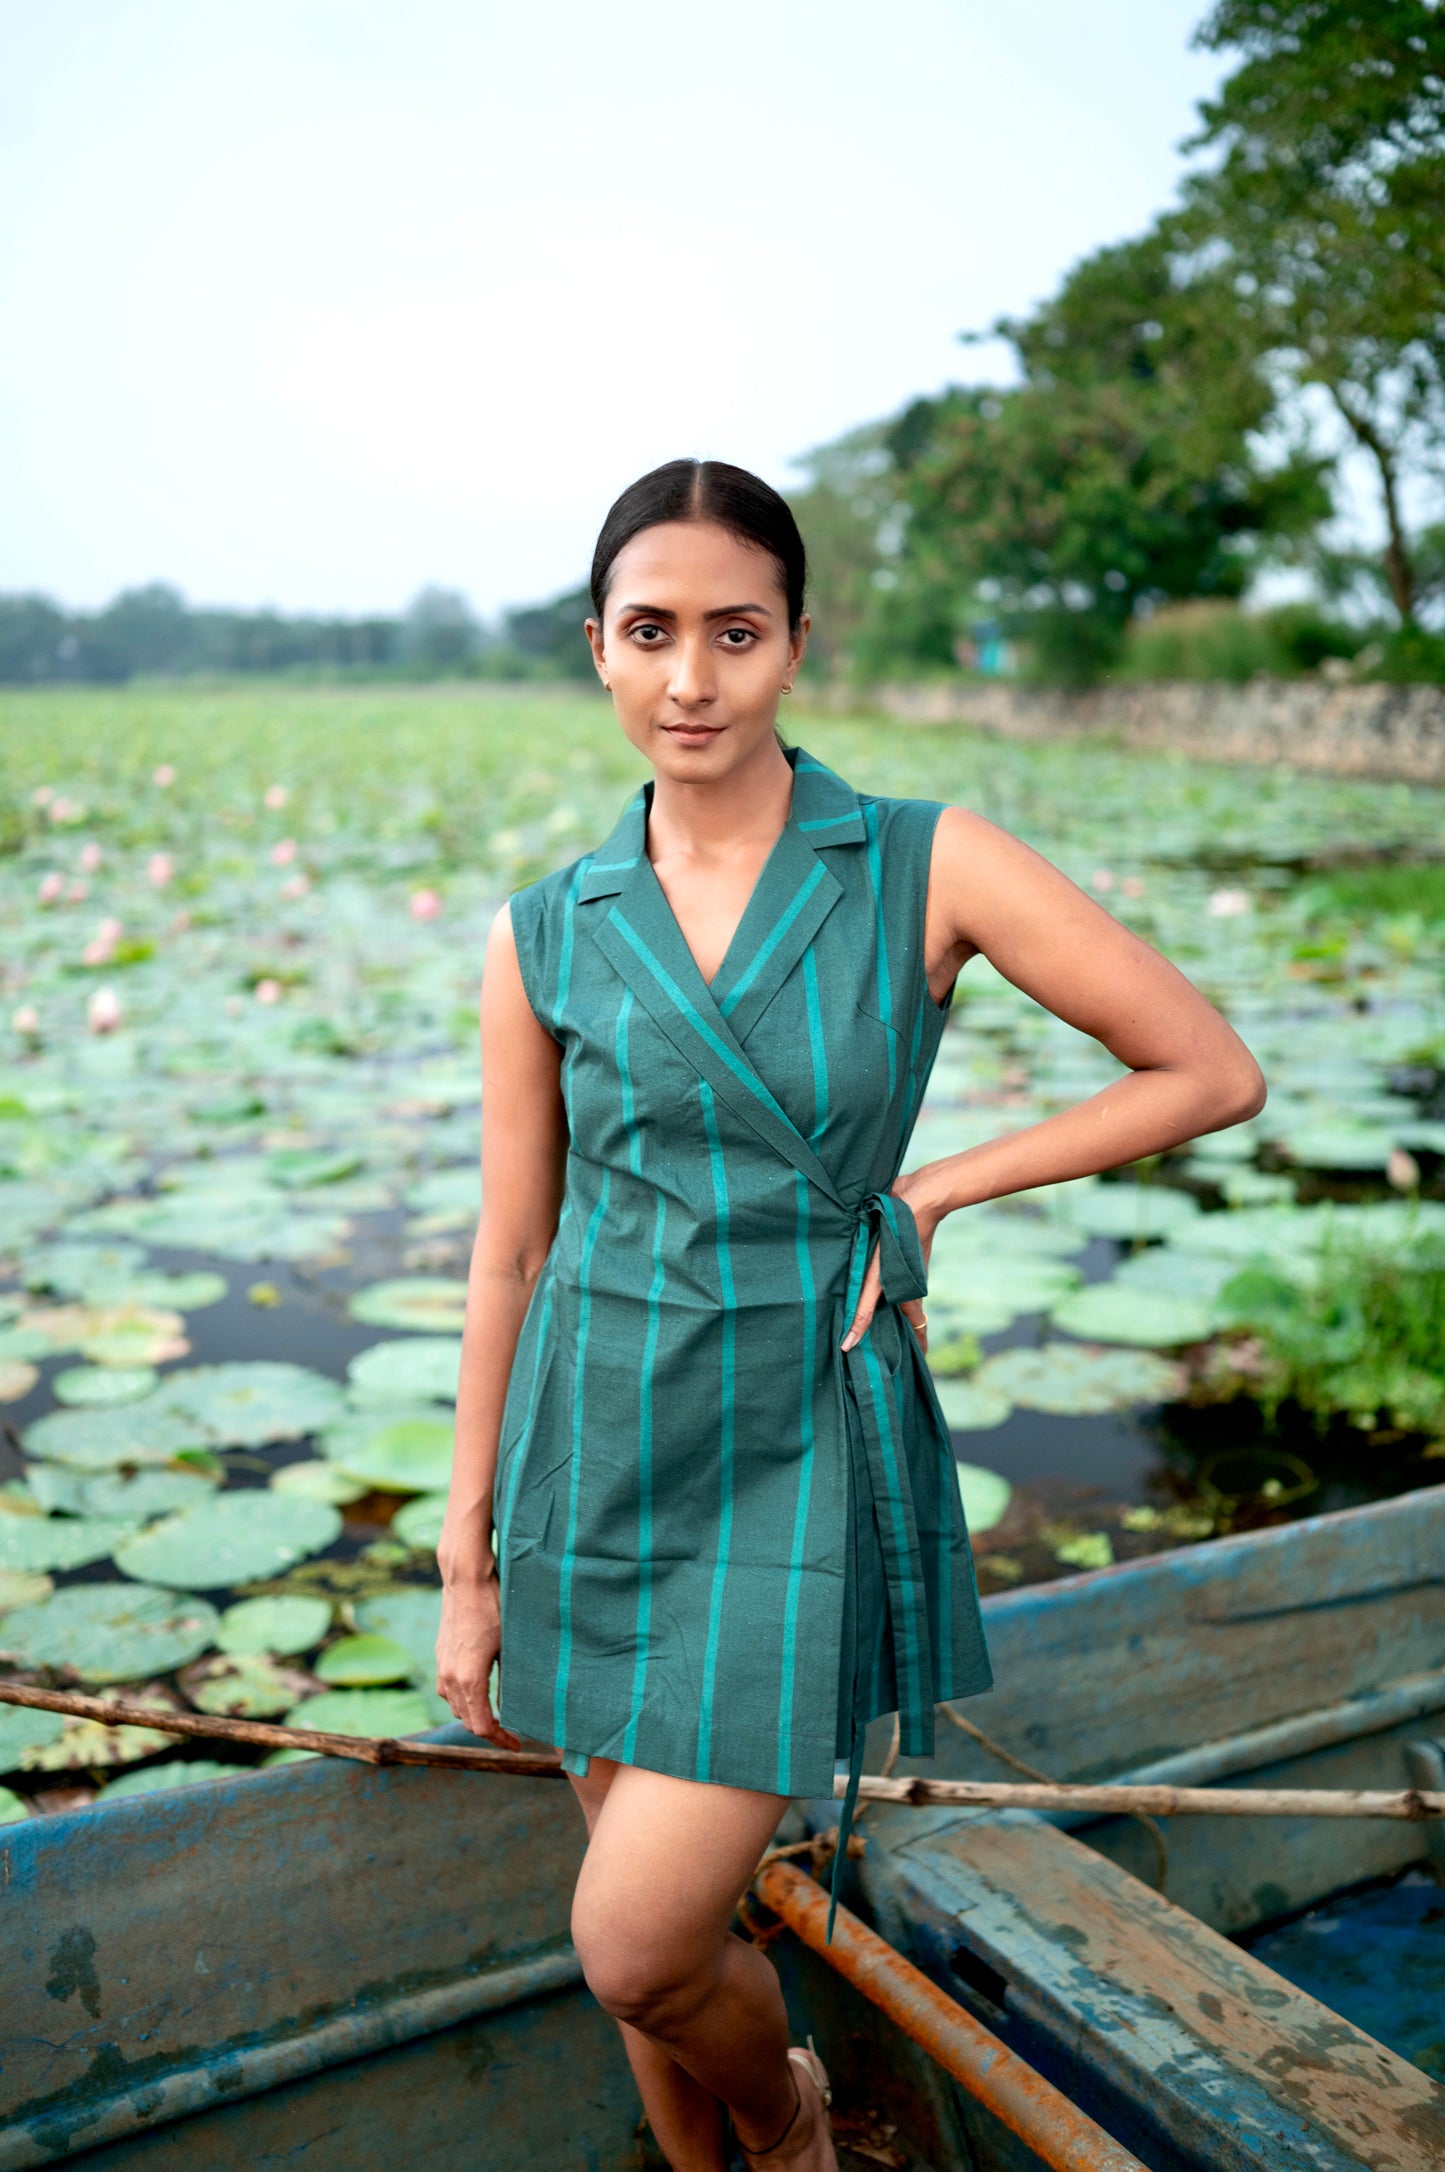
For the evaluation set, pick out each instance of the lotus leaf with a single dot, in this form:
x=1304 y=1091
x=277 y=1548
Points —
x=368 y=1712
x=282 y=1625
x=296 y=1168
x=320 y=1482
x=1175 y=1271
x=413 y=1456
x=232 y=1538
x=102 y=1385
x=154 y=1333
x=985 y=1495
x=177 y=1772
x=133 y=1346
x=244 y=1685
x=113 y=1632
x=412 y=1368
x=84 y=1744
x=23 y=1729
x=453 y=1193
x=17 y=1377
x=21 y=1345
x=105 y=1440
x=419 y=1523
x=1131 y=1211
x=42 y=1543
x=1079 y=1549
x=250 y=1402
x=13 y=1807
x=363 y=1662
x=410 y=1616
x=1122 y=1312
x=178 y=1293
x=1327 y=1144
x=1073 y=1377
x=71 y=1269
x=970 y=1408
x=22 y=1587
x=430 y=1304
x=138 y=1494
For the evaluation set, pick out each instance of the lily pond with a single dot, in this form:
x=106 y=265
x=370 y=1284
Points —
x=242 y=936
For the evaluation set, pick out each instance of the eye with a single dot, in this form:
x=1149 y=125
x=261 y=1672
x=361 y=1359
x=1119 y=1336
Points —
x=644 y=632
x=744 y=635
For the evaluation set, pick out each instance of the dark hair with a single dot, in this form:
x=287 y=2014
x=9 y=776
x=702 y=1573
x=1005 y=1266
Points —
x=742 y=503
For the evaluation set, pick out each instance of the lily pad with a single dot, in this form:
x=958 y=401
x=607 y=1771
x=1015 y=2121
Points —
x=413 y=1455
x=247 y=1403
x=233 y=1538
x=1121 y=1312
x=244 y=1685
x=281 y=1625
x=22 y=1587
x=320 y=1481
x=113 y=1632
x=23 y=1729
x=102 y=1386
x=73 y=1269
x=1080 y=1378
x=410 y=1616
x=415 y=1368
x=1131 y=1211
x=176 y=1772
x=369 y=1712
x=419 y=1522
x=13 y=1807
x=149 y=1286
x=1079 y=1549
x=17 y=1377
x=297 y=1168
x=83 y=1744
x=970 y=1408
x=42 y=1543
x=21 y=1345
x=363 y=1662
x=429 y=1304
x=147 y=1432
x=985 y=1495
x=137 y=1494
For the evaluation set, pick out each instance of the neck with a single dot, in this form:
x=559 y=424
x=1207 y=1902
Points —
x=718 y=817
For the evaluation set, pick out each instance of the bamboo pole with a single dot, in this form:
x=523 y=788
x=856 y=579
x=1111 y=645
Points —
x=1410 y=1803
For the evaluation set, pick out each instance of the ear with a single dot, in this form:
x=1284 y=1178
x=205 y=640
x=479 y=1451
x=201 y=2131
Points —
x=592 y=627
x=798 y=644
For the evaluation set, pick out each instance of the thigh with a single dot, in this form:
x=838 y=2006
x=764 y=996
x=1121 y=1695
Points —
x=672 y=1857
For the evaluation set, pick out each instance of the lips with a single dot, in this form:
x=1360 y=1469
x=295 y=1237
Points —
x=693 y=731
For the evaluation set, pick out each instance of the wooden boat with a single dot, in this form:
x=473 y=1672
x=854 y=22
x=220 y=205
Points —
x=339 y=1967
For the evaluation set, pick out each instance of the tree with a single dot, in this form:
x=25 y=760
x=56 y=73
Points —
x=1125 y=470
x=439 y=632
x=1325 y=207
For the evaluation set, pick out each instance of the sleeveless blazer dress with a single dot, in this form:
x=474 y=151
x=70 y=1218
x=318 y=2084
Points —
x=725 y=1543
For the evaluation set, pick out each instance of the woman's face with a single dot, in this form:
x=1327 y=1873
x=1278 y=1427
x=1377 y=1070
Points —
x=695 y=646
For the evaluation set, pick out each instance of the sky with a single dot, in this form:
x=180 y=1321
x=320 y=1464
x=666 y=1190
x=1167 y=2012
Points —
x=311 y=302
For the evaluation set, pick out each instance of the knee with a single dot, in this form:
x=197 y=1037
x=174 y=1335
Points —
x=632 y=1977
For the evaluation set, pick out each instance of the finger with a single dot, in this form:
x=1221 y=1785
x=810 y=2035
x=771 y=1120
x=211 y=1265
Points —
x=867 y=1302
x=913 y=1312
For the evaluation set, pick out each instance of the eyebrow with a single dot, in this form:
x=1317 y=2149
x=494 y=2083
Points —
x=729 y=610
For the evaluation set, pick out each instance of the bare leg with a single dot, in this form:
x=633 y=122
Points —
x=666 y=1865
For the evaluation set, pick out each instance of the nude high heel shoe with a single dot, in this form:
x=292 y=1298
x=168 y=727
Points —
x=804 y=2060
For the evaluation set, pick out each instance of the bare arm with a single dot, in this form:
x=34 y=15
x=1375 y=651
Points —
x=524 y=1148
x=1189 y=1072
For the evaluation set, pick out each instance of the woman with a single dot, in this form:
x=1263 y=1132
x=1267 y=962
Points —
x=693 y=1396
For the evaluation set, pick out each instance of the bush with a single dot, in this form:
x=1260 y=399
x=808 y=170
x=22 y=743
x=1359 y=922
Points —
x=1207 y=640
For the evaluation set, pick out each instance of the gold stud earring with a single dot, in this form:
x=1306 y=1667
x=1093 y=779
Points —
x=785 y=689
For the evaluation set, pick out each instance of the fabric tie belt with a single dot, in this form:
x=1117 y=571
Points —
x=886 y=1221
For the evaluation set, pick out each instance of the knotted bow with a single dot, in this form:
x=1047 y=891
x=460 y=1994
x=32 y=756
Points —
x=887 y=1220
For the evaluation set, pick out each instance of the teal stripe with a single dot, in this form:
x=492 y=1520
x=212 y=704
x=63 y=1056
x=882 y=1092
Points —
x=725 y=1429
x=805 y=1490
x=827 y=822
x=695 y=1019
x=818 y=1046
x=610 y=867
x=569 y=1550
x=624 y=1070
x=780 y=929
x=644 y=1485
x=910 y=1687
x=885 y=983
x=519 y=1446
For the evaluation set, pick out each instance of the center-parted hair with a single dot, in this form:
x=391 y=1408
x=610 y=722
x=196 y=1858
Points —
x=698 y=490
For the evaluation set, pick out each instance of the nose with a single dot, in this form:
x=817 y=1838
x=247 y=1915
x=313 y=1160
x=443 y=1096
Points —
x=693 y=681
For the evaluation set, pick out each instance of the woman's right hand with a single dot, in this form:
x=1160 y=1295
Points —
x=468 y=1647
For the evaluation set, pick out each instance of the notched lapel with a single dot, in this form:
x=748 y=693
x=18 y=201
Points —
x=795 y=893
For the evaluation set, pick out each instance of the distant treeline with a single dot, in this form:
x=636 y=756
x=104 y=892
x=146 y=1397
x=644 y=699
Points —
x=153 y=630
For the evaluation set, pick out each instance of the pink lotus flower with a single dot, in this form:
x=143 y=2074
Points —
x=159 y=869
x=103 y=1012
x=180 y=923
x=78 y=891
x=1402 y=1170
x=276 y=796
x=51 y=886
x=62 y=810
x=283 y=852
x=1224 y=904
x=101 y=947
x=1132 y=886
x=296 y=886
x=42 y=795
x=164 y=775
x=1102 y=878
x=268 y=991
x=26 y=1020
x=424 y=904
x=91 y=857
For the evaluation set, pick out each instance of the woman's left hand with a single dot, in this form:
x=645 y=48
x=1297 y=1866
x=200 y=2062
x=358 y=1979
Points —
x=908 y=1188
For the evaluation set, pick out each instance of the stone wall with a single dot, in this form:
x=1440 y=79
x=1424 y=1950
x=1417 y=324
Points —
x=1354 y=731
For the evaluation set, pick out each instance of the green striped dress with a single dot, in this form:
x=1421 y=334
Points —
x=726 y=1544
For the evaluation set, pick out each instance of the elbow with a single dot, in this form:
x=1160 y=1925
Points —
x=1241 y=1094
